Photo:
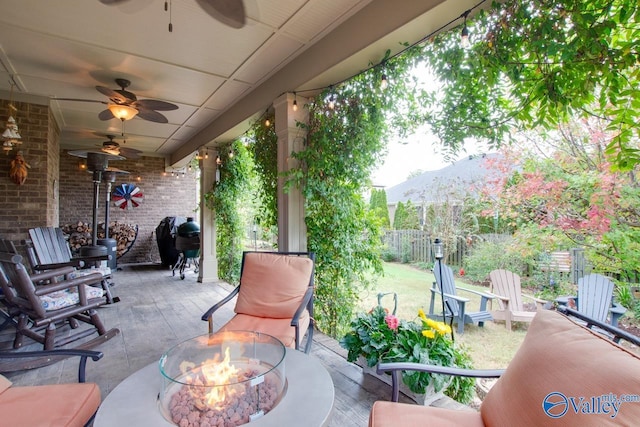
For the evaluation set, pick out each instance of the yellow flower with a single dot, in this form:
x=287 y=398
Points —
x=429 y=334
x=443 y=328
x=431 y=323
x=422 y=315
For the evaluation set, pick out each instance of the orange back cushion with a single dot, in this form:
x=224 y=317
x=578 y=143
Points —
x=273 y=285
x=563 y=374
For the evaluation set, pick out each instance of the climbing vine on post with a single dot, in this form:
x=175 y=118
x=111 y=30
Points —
x=226 y=199
x=344 y=144
x=264 y=149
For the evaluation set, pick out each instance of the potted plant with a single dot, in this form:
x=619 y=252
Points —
x=378 y=336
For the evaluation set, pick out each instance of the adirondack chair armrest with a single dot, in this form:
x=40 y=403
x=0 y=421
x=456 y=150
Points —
x=455 y=297
x=539 y=301
x=484 y=295
x=395 y=367
x=52 y=274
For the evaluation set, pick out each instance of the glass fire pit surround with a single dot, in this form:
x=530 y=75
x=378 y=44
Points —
x=223 y=379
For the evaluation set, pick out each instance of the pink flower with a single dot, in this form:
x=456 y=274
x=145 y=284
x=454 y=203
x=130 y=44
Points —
x=392 y=321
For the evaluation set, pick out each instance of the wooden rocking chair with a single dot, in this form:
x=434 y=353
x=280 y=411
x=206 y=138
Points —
x=42 y=308
x=48 y=249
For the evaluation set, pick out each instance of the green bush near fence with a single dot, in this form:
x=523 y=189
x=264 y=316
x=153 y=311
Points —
x=485 y=257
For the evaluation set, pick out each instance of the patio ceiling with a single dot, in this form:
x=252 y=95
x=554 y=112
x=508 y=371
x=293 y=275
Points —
x=220 y=77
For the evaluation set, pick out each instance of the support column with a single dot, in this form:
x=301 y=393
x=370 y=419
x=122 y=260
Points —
x=208 y=271
x=292 y=231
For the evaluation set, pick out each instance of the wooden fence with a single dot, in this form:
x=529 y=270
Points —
x=417 y=246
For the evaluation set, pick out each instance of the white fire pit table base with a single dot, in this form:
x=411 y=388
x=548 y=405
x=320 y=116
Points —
x=308 y=399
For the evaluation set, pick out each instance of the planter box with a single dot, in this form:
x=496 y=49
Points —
x=423 y=399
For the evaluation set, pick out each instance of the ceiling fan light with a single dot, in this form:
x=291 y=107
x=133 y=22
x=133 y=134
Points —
x=122 y=112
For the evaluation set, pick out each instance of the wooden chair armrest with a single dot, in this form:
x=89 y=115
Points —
x=395 y=367
x=485 y=295
x=617 y=309
x=52 y=274
x=455 y=297
x=207 y=315
x=72 y=263
x=537 y=300
x=48 y=354
x=88 y=279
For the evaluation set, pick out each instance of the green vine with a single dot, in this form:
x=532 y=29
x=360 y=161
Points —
x=225 y=199
x=264 y=150
x=344 y=144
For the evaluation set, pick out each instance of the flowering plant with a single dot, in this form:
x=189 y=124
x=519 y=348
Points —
x=381 y=337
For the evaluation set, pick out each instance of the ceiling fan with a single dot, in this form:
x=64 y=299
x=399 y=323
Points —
x=229 y=12
x=125 y=105
x=113 y=148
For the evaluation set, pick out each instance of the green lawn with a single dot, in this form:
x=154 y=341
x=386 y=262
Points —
x=490 y=347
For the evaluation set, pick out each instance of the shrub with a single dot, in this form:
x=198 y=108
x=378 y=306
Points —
x=488 y=256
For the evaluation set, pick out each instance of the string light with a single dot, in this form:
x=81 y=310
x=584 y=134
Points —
x=332 y=99
x=218 y=160
x=206 y=153
x=231 y=154
x=295 y=102
x=464 y=36
x=267 y=122
x=384 y=83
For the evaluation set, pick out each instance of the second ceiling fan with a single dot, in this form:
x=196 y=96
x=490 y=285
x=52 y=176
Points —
x=125 y=105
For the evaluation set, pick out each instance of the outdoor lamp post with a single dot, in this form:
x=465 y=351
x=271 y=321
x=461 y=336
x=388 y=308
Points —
x=438 y=253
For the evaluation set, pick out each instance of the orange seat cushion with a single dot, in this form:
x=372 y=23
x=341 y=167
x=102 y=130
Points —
x=571 y=371
x=273 y=285
x=56 y=405
x=279 y=328
x=390 y=414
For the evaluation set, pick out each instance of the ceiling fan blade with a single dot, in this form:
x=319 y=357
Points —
x=106 y=115
x=79 y=100
x=152 y=116
x=130 y=153
x=229 y=12
x=113 y=95
x=154 y=104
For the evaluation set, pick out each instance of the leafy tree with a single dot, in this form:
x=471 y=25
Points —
x=400 y=217
x=573 y=197
x=378 y=205
x=537 y=64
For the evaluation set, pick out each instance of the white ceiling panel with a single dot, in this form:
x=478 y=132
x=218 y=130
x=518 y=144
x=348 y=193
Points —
x=64 y=49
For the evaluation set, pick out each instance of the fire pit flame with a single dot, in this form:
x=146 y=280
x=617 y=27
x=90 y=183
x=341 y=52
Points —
x=203 y=388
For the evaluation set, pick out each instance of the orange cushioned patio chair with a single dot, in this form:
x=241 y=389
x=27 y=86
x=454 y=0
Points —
x=275 y=297
x=563 y=374
x=53 y=405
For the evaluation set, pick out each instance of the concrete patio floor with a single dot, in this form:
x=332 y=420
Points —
x=158 y=310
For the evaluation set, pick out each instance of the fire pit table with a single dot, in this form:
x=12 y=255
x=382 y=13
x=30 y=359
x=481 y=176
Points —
x=266 y=385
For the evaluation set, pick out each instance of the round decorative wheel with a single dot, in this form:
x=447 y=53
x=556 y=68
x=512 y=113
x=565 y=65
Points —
x=127 y=196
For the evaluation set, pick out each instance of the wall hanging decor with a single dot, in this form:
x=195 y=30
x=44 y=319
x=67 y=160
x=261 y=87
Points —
x=127 y=196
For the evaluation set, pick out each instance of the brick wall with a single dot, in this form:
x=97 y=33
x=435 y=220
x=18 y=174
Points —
x=164 y=196
x=31 y=204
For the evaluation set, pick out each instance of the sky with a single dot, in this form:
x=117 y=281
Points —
x=417 y=152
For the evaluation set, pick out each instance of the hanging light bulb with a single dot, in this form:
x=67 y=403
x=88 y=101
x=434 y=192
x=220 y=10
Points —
x=206 y=153
x=218 y=160
x=231 y=154
x=295 y=102
x=464 y=35
x=332 y=102
x=384 y=83
x=267 y=122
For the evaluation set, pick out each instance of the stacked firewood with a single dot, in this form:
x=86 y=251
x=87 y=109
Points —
x=80 y=234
